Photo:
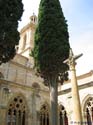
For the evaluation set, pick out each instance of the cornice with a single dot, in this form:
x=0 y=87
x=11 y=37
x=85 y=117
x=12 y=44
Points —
x=29 y=25
x=29 y=48
x=23 y=66
x=80 y=77
x=86 y=85
x=24 y=87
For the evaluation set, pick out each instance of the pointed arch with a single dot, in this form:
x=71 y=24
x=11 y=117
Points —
x=88 y=109
x=44 y=114
x=63 y=119
x=17 y=111
x=84 y=101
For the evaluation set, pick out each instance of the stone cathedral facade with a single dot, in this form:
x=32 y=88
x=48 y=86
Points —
x=24 y=100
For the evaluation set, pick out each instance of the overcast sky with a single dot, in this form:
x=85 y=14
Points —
x=79 y=16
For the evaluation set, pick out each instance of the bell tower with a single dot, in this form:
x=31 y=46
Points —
x=26 y=42
x=33 y=19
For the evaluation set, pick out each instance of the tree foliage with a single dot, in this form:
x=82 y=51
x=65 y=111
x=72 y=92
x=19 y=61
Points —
x=10 y=13
x=51 y=49
x=51 y=40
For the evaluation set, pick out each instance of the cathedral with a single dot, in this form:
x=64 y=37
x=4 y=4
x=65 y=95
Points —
x=24 y=99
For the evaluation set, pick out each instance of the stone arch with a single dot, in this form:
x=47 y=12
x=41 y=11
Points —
x=17 y=110
x=85 y=100
x=46 y=103
x=44 y=114
x=88 y=109
x=63 y=119
x=65 y=106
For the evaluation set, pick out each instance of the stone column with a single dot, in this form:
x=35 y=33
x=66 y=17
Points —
x=75 y=96
x=34 y=108
x=77 y=115
x=84 y=118
x=3 y=119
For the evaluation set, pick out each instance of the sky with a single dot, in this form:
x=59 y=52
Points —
x=79 y=16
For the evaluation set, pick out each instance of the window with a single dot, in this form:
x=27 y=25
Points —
x=16 y=112
x=44 y=115
x=24 y=41
x=89 y=111
x=63 y=119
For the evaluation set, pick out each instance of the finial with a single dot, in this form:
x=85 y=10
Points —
x=33 y=14
x=70 y=53
x=72 y=58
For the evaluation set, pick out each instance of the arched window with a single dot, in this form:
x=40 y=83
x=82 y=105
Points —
x=63 y=119
x=16 y=113
x=89 y=110
x=24 y=41
x=44 y=115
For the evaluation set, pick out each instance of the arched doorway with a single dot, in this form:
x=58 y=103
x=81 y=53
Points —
x=16 y=113
x=44 y=115
x=63 y=119
x=88 y=110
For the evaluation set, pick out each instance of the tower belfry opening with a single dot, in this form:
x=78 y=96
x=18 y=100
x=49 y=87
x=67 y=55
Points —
x=33 y=18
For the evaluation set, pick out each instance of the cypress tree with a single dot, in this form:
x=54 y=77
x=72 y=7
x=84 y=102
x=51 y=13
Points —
x=51 y=49
x=10 y=13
